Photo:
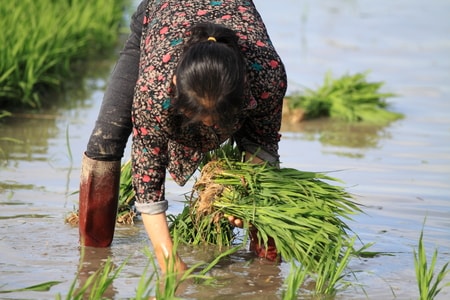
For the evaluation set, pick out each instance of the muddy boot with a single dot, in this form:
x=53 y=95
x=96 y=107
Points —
x=99 y=192
x=270 y=253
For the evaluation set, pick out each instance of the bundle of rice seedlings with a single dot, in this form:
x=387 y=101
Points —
x=300 y=210
x=349 y=98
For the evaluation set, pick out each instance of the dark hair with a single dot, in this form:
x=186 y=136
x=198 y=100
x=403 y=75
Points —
x=210 y=75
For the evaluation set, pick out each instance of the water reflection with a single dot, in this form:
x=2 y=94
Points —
x=93 y=260
x=237 y=276
x=33 y=132
x=29 y=136
x=348 y=138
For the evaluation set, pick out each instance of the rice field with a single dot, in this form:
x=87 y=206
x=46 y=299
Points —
x=42 y=40
x=399 y=173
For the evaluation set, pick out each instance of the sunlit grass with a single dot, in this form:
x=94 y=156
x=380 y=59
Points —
x=293 y=282
x=41 y=40
x=333 y=268
x=429 y=282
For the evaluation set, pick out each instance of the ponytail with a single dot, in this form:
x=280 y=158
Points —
x=210 y=75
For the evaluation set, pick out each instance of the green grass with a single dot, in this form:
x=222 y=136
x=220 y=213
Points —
x=429 y=283
x=42 y=39
x=350 y=98
x=294 y=281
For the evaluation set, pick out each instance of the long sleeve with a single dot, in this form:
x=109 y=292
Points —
x=267 y=79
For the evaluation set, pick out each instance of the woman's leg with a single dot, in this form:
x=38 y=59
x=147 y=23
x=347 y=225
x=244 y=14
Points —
x=100 y=175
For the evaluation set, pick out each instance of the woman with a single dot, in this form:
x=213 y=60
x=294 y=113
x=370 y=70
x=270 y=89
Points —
x=207 y=72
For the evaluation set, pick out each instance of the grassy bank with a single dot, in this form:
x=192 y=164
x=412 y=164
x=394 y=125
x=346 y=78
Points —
x=41 y=41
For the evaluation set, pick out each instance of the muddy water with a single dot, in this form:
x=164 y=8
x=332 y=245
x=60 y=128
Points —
x=401 y=173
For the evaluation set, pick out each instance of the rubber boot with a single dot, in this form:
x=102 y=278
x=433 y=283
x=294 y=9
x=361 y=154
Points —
x=99 y=192
x=270 y=253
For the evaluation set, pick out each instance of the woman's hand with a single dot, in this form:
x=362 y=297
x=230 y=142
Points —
x=235 y=221
x=158 y=232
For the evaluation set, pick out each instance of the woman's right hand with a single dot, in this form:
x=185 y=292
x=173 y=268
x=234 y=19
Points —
x=235 y=221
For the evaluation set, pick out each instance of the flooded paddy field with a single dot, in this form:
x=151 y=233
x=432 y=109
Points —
x=400 y=172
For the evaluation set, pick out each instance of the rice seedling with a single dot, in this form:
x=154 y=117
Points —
x=41 y=287
x=330 y=276
x=42 y=39
x=350 y=98
x=126 y=212
x=294 y=281
x=430 y=284
x=198 y=231
x=95 y=286
x=151 y=285
x=144 y=290
x=167 y=285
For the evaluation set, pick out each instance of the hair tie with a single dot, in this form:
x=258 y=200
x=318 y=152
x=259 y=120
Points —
x=212 y=39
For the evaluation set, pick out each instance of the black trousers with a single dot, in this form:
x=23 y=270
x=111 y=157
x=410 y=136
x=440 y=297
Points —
x=113 y=126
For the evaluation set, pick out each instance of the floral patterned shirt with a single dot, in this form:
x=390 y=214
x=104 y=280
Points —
x=160 y=143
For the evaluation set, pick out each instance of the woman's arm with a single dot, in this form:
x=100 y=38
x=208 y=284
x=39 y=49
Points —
x=158 y=232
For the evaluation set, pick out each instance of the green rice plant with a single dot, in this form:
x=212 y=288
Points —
x=144 y=290
x=332 y=267
x=429 y=285
x=167 y=285
x=96 y=284
x=301 y=211
x=126 y=212
x=41 y=40
x=296 y=277
x=151 y=282
x=200 y=231
x=126 y=192
x=227 y=150
x=41 y=287
x=350 y=98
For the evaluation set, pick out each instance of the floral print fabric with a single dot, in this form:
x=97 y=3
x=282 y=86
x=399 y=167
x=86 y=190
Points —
x=160 y=143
